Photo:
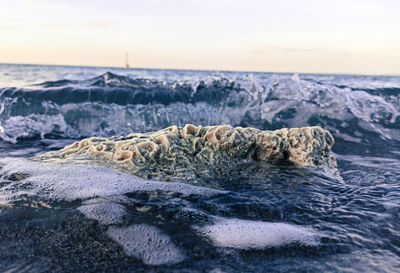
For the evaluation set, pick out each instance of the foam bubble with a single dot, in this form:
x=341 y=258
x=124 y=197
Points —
x=245 y=234
x=147 y=243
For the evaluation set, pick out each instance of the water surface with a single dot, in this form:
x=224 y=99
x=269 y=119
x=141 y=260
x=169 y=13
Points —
x=84 y=217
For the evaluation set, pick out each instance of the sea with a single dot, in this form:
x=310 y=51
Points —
x=75 y=217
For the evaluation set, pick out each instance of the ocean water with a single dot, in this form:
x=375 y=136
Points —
x=74 y=217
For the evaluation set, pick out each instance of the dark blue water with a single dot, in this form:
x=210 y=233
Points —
x=85 y=218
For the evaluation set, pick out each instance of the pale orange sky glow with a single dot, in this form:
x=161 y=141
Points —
x=358 y=37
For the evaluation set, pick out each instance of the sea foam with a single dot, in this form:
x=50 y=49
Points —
x=105 y=213
x=147 y=243
x=196 y=153
x=70 y=182
x=102 y=192
x=246 y=234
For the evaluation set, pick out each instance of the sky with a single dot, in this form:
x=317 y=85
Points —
x=307 y=36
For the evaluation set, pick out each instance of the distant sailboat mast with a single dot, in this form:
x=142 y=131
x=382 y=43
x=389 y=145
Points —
x=127 y=61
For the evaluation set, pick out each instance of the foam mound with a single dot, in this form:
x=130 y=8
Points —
x=193 y=153
x=147 y=243
x=245 y=234
x=106 y=213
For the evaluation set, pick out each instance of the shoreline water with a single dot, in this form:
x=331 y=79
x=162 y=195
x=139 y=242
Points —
x=80 y=215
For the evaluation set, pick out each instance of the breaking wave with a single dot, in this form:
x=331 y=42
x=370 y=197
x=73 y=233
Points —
x=111 y=104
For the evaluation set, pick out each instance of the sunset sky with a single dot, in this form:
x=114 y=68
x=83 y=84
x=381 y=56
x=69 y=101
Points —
x=358 y=37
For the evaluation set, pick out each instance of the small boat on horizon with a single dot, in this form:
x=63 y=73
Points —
x=127 y=61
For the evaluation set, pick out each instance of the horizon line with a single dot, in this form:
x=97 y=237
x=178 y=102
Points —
x=205 y=70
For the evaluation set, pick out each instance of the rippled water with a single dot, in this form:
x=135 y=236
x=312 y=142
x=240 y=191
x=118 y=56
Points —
x=75 y=217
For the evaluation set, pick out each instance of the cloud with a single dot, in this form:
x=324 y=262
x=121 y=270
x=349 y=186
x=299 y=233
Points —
x=294 y=49
x=9 y=24
x=284 y=49
x=28 y=2
x=100 y=24
x=9 y=27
